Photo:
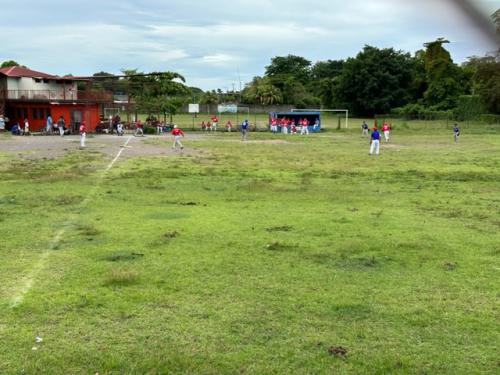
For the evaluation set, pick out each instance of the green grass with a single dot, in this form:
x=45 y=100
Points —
x=256 y=257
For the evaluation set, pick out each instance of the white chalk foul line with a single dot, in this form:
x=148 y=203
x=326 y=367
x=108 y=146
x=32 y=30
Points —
x=118 y=154
x=54 y=244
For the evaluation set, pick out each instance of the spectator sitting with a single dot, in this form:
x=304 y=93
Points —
x=16 y=129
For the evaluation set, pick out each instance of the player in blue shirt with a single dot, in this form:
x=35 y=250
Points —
x=364 y=129
x=375 y=141
x=244 y=130
x=456 y=132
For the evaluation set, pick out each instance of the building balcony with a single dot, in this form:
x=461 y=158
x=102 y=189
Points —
x=57 y=95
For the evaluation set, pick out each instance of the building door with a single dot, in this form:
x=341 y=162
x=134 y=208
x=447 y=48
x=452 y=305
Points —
x=75 y=120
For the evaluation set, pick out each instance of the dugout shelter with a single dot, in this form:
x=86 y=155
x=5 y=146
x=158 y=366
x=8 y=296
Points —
x=296 y=116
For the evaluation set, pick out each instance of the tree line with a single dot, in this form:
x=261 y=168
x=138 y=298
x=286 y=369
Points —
x=375 y=81
x=379 y=81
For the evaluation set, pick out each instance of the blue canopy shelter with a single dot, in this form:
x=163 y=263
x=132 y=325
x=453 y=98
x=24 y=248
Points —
x=314 y=119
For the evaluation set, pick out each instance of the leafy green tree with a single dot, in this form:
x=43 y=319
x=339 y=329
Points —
x=285 y=71
x=282 y=68
x=9 y=63
x=195 y=94
x=324 y=81
x=496 y=19
x=486 y=80
x=376 y=80
x=261 y=91
x=156 y=92
x=210 y=98
x=445 y=79
x=108 y=81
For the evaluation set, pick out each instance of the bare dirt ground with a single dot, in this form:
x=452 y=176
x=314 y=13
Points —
x=54 y=146
x=49 y=147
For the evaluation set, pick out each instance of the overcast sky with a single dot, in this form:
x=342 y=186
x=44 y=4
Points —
x=218 y=43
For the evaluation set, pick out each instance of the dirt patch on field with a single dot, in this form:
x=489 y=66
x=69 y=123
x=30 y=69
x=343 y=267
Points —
x=51 y=147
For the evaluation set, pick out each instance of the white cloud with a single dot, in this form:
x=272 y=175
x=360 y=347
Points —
x=210 y=43
x=219 y=59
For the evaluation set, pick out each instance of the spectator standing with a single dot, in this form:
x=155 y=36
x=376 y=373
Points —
x=119 y=129
x=61 y=125
x=48 y=124
x=110 y=126
x=116 y=121
x=83 y=134
x=26 y=130
x=2 y=123
x=229 y=126
x=316 y=125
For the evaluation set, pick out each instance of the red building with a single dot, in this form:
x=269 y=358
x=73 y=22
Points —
x=32 y=95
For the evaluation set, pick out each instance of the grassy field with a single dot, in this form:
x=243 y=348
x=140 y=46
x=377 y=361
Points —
x=283 y=254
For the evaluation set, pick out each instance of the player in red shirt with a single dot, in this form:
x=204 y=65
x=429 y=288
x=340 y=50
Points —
x=385 y=129
x=178 y=134
x=229 y=126
x=304 y=126
x=215 y=122
x=138 y=128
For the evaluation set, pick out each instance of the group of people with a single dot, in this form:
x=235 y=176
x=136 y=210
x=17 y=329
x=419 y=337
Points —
x=290 y=126
x=375 y=135
x=211 y=125
x=178 y=134
x=386 y=129
x=3 y=122
x=55 y=127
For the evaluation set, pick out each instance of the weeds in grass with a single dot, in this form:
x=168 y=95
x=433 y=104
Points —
x=64 y=199
x=279 y=246
x=337 y=351
x=449 y=266
x=280 y=228
x=358 y=262
x=189 y=203
x=171 y=234
x=8 y=199
x=121 y=277
x=122 y=256
x=87 y=230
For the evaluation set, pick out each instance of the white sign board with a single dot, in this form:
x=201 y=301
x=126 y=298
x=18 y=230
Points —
x=194 y=108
